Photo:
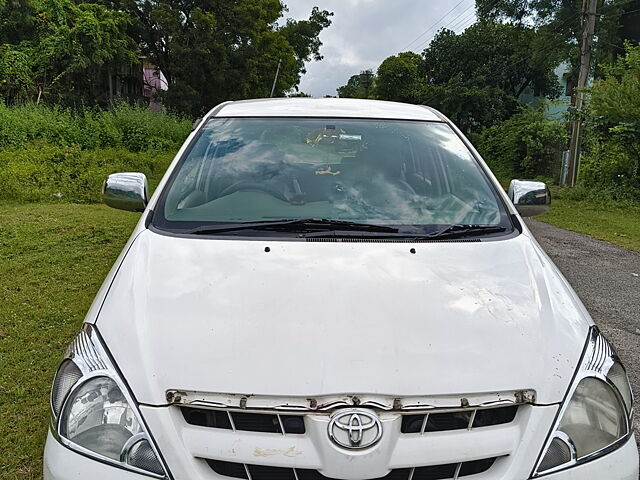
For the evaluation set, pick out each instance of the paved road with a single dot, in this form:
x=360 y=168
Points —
x=607 y=279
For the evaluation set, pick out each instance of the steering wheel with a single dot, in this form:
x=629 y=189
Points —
x=253 y=186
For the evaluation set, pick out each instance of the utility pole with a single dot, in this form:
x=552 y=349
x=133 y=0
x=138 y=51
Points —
x=275 y=80
x=589 y=21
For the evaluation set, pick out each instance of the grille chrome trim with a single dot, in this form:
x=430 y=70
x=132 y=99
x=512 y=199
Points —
x=423 y=404
x=233 y=425
x=424 y=423
x=281 y=425
x=472 y=419
x=457 y=473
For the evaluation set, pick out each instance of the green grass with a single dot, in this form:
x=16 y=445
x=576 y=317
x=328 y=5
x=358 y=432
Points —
x=42 y=172
x=54 y=259
x=617 y=223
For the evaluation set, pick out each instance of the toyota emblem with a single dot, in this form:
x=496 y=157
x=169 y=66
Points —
x=355 y=429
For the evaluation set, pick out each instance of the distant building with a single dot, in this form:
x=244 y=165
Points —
x=129 y=82
x=558 y=107
x=153 y=81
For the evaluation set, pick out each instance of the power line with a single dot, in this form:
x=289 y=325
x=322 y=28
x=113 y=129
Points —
x=454 y=20
x=464 y=22
x=433 y=25
x=461 y=30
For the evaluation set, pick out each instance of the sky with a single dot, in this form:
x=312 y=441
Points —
x=365 y=32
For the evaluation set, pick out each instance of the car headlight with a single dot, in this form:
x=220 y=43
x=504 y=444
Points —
x=94 y=413
x=595 y=417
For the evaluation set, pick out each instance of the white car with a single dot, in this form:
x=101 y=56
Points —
x=333 y=288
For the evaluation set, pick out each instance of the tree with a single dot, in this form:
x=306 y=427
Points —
x=216 y=50
x=520 y=11
x=17 y=21
x=55 y=49
x=304 y=36
x=78 y=42
x=358 y=86
x=400 y=78
x=471 y=106
x=499 y=55
x=476 y=77
x=66 y=51
x=561 y=22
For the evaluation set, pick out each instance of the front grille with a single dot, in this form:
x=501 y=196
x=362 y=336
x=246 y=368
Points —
x=244 y=421
x=448 y=424
x=294 y=424
x=434 y=472
x=458 y=420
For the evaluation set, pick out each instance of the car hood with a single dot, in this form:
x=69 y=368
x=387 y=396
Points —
x=313 y=319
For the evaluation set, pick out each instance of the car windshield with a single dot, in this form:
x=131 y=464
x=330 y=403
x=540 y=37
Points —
x=408 y=174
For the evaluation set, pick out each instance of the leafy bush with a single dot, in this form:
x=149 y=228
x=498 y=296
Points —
x=526 y=145
x=612 y=161
x=609 y=169
x=136 y=129
x=44 y=172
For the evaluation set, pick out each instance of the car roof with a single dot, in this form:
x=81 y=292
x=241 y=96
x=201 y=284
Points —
x=326 y=107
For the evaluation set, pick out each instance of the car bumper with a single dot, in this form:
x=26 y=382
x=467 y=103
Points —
x=60 y=463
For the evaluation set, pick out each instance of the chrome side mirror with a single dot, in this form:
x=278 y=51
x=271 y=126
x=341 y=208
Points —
x=126 y=191
x=530 y=198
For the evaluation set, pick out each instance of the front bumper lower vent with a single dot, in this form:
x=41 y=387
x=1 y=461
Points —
x=435 y=472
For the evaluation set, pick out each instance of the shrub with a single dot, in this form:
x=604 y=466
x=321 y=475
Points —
x=612 y=119
x=611 y=170
x=44 y=172
x=133 y=128
x=526 y=145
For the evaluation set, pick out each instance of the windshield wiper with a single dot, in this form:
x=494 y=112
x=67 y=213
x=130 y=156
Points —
x=457 y=231
x=451 y=231
x=295 y=225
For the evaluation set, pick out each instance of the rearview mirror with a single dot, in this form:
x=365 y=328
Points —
x=530 y=197
x=126 y=191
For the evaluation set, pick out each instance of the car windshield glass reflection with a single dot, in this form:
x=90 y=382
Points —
x=400 y=173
